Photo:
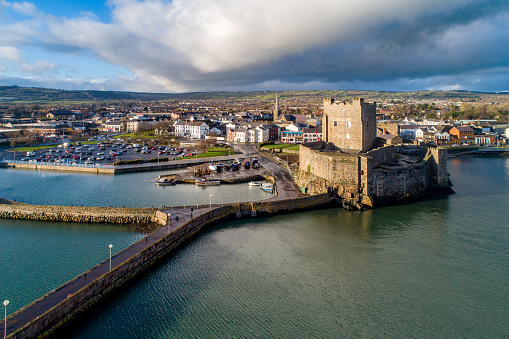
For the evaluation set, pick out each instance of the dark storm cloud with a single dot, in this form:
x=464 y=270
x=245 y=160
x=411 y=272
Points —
x=188 y=45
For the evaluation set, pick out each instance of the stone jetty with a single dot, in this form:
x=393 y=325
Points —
x=105 y=215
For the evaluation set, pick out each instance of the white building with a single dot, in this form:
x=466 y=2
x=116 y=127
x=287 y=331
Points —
x=197 y=129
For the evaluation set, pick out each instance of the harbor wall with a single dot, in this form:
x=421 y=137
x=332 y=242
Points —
x=54 y=168
x=76 y=303
x=103 y=215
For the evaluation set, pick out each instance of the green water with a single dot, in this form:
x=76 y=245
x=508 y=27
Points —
x=437 y=268
x=130 y=190
x=36 y=257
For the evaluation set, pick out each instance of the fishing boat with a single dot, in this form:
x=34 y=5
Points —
x=165 y=182
x=204 y=182
x=255 y=183
x=212 y=167
x=267 y=187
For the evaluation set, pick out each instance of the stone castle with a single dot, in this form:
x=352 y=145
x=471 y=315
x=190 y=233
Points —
x=346 y=162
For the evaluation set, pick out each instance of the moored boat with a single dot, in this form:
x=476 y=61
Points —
x=204 y=182
x=165 y=182
x=255 y=183
x=267 y=187
x=212 y=167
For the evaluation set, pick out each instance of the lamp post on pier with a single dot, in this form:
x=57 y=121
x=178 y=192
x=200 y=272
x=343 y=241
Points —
x=169 y=222
x=111 y=246
x=210 y=203
x=6 y=302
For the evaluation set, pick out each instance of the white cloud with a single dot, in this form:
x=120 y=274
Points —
x=25 y=8
x=9 y=53
x=38 y=67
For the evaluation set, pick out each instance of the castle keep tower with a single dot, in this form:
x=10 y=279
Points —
x=350 y=125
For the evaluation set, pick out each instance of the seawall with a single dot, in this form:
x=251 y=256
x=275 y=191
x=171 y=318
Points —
x=104 y=215
x=109 y=169
x=47 y=314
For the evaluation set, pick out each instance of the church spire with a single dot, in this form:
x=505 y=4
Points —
x=276 y=108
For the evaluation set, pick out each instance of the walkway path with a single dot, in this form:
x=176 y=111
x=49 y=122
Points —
x=285 y=185
x=179 y=216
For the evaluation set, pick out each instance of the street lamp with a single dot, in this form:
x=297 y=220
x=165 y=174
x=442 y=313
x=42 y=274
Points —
x=111 y=246
x=169 y=222
x=6 y=302
x=210 y=203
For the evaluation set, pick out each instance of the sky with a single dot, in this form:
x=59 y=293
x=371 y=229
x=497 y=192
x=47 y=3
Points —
x=242 y=45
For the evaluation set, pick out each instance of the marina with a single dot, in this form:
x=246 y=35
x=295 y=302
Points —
x=327 y=269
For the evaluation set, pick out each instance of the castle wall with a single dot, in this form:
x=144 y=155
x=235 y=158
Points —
x=382 y=154
x=439 y=159
x=357 y=180
x=328 y=171
x=389 y=186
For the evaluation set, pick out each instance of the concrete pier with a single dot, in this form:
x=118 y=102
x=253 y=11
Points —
x=47 y=314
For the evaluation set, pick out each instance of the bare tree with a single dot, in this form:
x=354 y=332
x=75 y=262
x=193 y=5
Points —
x=74 y=135
x=13 y=138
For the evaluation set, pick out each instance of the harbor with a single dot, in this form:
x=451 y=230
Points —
x=343 y=266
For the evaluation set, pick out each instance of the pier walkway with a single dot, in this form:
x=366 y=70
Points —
x=48 y=313
x=24 y=316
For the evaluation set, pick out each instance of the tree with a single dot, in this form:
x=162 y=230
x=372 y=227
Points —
x=31 y=139
x=74 y=135
x=13 y=138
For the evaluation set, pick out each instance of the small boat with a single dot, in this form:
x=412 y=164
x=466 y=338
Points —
x=267 y=187
x=212 y=167
x=165 y=182
x=203 y=182
x=255 y=183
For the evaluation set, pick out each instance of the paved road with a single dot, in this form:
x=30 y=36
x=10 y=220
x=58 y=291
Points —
x=285 y=186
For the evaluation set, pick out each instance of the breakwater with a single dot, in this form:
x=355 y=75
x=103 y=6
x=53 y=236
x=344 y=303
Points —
x=45 y=315
x=111 y=169
x=103 y=215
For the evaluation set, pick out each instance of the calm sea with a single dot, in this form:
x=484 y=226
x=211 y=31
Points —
x=435 y=268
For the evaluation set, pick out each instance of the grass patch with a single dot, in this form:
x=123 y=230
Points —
x=35 y=148
x=278 y=146
x=294 y=148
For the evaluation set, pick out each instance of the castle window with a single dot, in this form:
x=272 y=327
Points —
x=335 y=123
x=348 y=124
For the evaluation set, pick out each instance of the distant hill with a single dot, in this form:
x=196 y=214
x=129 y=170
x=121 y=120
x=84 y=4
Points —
x=43 y=96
